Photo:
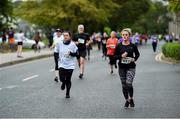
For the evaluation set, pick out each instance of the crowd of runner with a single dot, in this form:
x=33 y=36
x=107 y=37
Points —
x=120 y=47
x=68 y=48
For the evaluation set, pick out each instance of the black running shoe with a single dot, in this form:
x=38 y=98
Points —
x=80 y=76
x=132 y=103
x=63 y=86
x=126 y=105
x=56 y=79
x=67 y=96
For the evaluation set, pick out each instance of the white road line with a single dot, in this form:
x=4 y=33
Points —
x=11 y=86
x=156 y=58
x=159 y=59
x=31 y=77
x=0 y=89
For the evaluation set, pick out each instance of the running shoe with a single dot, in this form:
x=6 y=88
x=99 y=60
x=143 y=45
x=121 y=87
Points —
x=126 y=105
x=56 y=79
x=63 y=86
x=132 y=103
x=67 y=96
x=80 y=76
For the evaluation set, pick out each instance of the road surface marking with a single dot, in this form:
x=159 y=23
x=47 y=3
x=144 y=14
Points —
x=31 y=77
x=159 y=59
x=11 y=86
x=0 y=89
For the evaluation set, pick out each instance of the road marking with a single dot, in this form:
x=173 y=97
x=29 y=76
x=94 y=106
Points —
x=31 y=77
x=0 y=89
x=51 y=70
x=159 y=58
x=11 y=86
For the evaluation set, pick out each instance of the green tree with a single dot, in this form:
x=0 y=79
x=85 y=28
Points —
x=128 y=13
x=154 y=21
x=6 y=13
x=174 y=6
x=66 y=13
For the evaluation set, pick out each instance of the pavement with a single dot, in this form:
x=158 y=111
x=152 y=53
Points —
x=27 y=90
x=7 y=59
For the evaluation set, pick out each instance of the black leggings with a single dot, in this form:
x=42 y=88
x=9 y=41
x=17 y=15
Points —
x=104 y=50
x=127 y=77
x=65 y=77
x=56 y=57
x=154 y=45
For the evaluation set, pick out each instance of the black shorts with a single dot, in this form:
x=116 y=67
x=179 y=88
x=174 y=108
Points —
x=112 y=60
x=81 y=54
x=20 y=43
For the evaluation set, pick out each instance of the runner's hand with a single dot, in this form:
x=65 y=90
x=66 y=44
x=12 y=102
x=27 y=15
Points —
x=132 y=60
x=124 y=55
x=87 y=44
x=76 y=42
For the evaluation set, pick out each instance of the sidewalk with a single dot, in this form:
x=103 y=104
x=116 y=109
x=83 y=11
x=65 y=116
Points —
x=11 y=58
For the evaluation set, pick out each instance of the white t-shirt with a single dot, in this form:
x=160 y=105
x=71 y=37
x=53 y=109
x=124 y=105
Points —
x=66 y=61
x=57 y=40
x=20 y=37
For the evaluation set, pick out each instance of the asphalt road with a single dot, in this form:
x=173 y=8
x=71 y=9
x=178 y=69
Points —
x=27 y=90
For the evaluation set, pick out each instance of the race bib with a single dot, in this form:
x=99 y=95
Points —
x=154 y=40
x=80 y=40
x=126 y=60
x=112 y=46
x=64 y=57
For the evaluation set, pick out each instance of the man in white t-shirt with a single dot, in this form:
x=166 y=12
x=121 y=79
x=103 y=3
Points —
x=67 y=60
x=57 y=39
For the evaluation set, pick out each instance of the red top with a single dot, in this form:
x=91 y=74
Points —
x=111 y=45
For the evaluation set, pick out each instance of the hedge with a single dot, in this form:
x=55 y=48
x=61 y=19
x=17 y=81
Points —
x=171 y=50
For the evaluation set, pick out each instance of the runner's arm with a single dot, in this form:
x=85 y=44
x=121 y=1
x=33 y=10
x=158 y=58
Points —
x=136 y=52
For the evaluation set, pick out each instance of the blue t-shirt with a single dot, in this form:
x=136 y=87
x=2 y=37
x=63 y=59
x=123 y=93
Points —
x=65 y=60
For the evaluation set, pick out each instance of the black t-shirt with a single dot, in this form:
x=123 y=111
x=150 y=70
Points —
x=132 y=51
x=82 y=38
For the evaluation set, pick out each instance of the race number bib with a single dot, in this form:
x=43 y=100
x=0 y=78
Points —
x=154 y=41
x=112 y=46
x=64 y=57
x=80 y=40
x=126 y=60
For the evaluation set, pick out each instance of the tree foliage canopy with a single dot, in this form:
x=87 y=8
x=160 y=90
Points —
x=174 y=6
x=142 y=15
x=66 y=13
x=6 y=13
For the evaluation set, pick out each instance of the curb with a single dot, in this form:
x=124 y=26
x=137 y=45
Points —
x=161 y=58
x=25 y=60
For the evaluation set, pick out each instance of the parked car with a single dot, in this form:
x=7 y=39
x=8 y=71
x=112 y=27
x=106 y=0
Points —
x=28 y=43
